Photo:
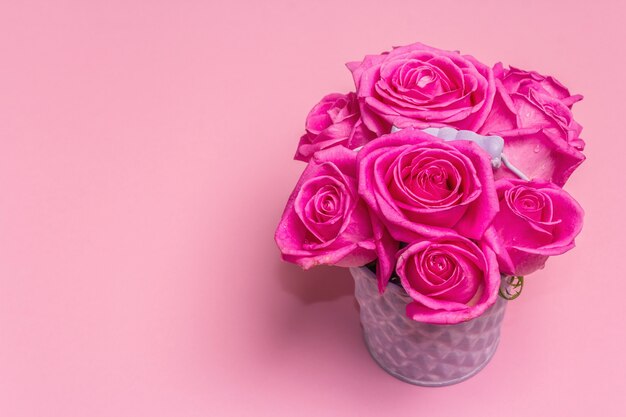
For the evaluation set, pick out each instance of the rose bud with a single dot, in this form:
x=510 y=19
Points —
x=536 y=220
x=324 y=221
x=449 y=278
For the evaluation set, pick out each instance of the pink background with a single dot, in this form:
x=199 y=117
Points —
x=145 y=156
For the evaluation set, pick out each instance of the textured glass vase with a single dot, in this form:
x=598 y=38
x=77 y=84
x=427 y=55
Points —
x=420 y=353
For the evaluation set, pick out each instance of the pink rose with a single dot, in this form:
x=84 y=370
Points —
x=536 y=220
x=420 y=86
x=533 y=115
x=335 y=120
x=324 y=221
x=419 y=185
x=449 y=278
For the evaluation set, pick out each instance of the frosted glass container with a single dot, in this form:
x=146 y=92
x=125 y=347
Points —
x=419 y=353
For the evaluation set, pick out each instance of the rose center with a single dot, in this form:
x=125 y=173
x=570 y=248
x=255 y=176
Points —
x=529 y=203
x=440 y=263
x=419 y=80
x=427 y=180
x=326 y=202
x=425 y=76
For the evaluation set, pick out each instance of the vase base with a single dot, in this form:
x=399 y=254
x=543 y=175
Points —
x=423 y=354
x=427 y=383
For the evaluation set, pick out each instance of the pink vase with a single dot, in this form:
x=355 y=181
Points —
x=419 y=353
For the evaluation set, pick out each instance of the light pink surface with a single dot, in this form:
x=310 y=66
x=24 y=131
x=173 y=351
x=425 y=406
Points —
x=145 y=157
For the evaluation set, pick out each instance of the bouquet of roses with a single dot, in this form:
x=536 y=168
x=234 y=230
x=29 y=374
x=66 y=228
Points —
x=444 y=173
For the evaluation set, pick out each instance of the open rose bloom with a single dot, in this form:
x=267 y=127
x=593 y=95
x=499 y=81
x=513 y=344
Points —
x=441 y=174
